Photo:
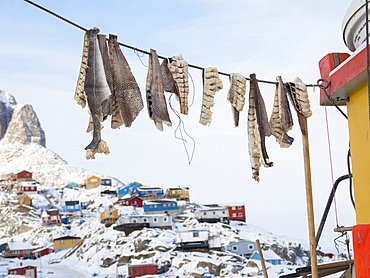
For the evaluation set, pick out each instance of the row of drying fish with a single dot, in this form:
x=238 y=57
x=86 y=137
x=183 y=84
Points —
x=108 y=86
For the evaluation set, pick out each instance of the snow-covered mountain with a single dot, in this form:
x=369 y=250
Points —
x=23 y=147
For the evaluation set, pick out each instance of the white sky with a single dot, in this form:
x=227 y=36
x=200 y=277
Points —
x=40 y=59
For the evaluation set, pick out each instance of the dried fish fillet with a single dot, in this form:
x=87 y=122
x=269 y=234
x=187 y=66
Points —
x=157 y=106
x=179 y=69
x=80 y=96
x=127 y=100
x=96 y=87
x=102 y=148
x=258 y=129
x=299 y=97
x=169 y=85
x=236 y=94
x=211 y=84
x=281 y=120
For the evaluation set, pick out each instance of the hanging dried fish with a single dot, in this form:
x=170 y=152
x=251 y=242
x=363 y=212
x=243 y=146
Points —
x=281 y=120
x=258 y=129
x=179 y=69
x=96 y=89
x=127 y=100
x=299 y=97
x=169 y=84
x=157 y=106
x=211 y=84
x=80 y=96
x=236 y=95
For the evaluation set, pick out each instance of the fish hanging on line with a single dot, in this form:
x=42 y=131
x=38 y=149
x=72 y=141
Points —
x=179 y=69
x=157 y=106
x=93 y=87
x=236 y=95
x=281 y=120
x=169 y=84
x=258 y=129
x=127 y=100
x=211 y=84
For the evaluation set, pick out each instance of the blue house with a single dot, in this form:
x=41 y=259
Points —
x=127 y=189
x=162 y=206
x=268 y=256
x=85 y=204
x=106 y=182
x=149 y=193
x=72 y=206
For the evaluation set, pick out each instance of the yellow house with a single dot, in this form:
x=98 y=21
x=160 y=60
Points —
x=93 y=182
x=109 y=216
x=24 y=199
x=15 y=249
x=65 y=242
x=179 y=193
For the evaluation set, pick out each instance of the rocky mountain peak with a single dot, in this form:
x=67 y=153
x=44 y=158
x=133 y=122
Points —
x=19 y=122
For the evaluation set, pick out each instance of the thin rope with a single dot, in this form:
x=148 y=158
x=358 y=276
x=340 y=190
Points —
x=331 y=165
x=140 y=56
x=178 y=128
x=141 y=50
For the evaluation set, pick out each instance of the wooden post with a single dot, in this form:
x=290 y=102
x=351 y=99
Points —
x=310 y=214
x=261 y=259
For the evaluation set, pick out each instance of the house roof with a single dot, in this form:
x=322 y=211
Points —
x=142 y=188
x=19 y=245
x=72 y=203
x=161 y=201
x=242 y=241
x=66 y=237
x=268 y=255
x=177 y=188
x=52 y=212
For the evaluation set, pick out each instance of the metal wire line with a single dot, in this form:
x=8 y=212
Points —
x=141 y=50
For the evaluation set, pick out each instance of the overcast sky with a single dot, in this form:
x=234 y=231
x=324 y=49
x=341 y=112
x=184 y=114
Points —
x=39 y=64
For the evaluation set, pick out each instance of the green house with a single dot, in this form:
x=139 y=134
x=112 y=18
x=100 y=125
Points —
x=72 y=185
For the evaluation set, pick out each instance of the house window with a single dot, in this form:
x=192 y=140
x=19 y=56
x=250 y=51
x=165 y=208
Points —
x=250 y=246
x=233 y=208
x=204 y=213
x=62 y=241
x=239 y=207
x=22 y=200
x=145 y=220
x=165 y=219
x=134 y=220
x=135 y=203
x=234 y=214
x=173 y=192
x=195 y=234
x=15 y=252
x=155 y=206
x=73 y=240
x=165 y=205
x=240 y=214
x=235 y=248
x=179 y=191
x=214 y=212
x=94 y=180
x=155 y=219
x=111 y=213
x=223 y=212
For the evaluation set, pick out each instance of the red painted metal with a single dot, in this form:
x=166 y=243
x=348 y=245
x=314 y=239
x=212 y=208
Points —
x=361 y=248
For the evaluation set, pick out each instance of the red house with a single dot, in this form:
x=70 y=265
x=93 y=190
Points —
x=28 y=187
x=29 y=271
x=51 y=216
x=131 y=201
x=142 y=269
x=24 y=176
x=42 y=252
x=236 y=212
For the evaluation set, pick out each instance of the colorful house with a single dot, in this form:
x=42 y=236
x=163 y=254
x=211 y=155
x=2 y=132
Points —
x=149 y=193
x=242 y=247
x=109 y=216
x=29 y=271
x=136 y=270
x=29 y=187
x=72 y=207
x=93 y=182
x=127 y=189
x=236 y=212
x=72 y=185
x=268 y=256
x=163 y=206
x=130 y=201
x=85 y=204
x=179 y=193
x=212 y=214
x=106 y=182
x=23 y=176
x=51 y=216
x=16 y=249
x=65 y=242
x=24 y=199
x=42 y=252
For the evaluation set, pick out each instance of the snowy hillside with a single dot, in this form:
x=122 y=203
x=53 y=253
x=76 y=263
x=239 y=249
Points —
x=22 y=147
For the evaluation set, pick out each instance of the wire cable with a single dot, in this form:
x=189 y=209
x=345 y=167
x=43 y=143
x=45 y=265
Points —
x=141 y=50
x=350 y=180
